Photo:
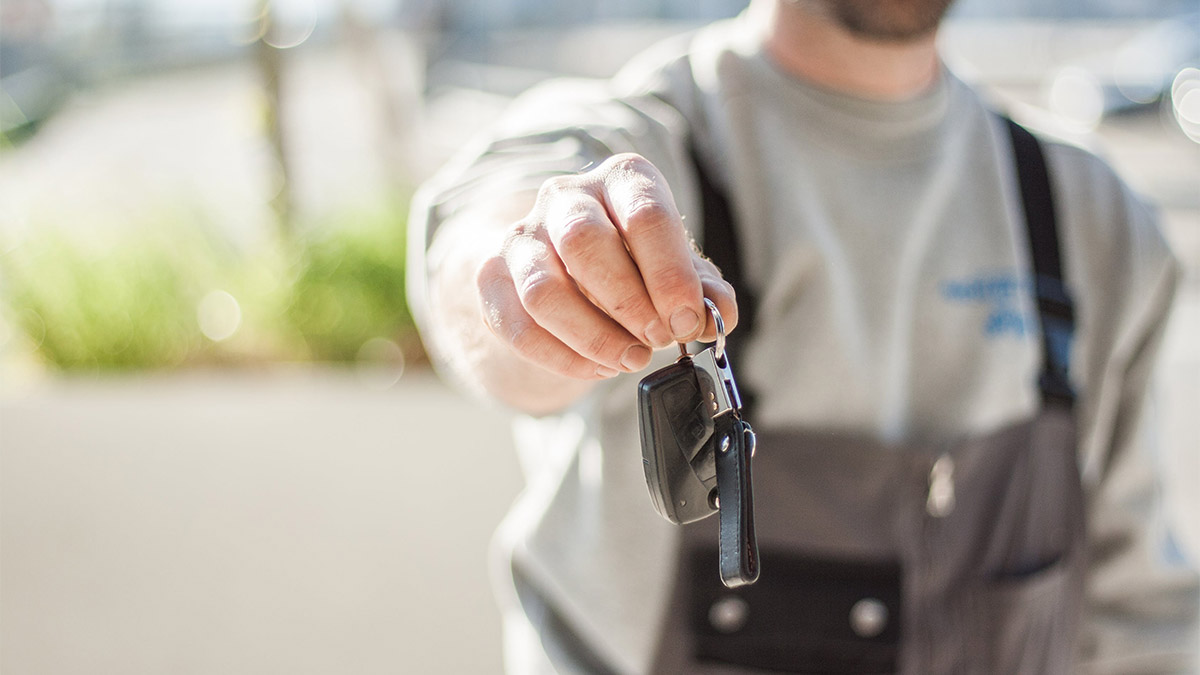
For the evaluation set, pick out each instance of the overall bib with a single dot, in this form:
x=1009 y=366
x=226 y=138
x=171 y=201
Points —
x=965 y=557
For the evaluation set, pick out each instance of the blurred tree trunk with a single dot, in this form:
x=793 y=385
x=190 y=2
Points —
x=270 y=66
x=389 y=67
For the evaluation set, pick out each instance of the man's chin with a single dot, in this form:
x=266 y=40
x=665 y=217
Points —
x=886 y=21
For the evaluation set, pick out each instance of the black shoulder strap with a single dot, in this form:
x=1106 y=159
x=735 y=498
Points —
x=1056 y=310
x=721 y=247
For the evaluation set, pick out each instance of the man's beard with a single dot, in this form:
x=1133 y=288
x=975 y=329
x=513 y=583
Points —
x=884 y=20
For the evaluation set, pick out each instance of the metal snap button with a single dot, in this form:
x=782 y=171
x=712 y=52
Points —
x=868 y=617
x=729 y=614
x=940 y=501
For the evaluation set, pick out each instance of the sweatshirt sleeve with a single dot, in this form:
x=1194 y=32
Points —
x=563 y=126
x=1142 y=596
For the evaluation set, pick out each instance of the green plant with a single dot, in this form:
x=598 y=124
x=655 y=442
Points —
x=348 y=285
x=173 y=294
x=127 y=302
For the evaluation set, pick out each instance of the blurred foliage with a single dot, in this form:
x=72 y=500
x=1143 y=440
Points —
x=124 y=303
x=135 y=298
x=348 y=285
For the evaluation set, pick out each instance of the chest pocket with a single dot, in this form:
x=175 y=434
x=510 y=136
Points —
x=811 y=615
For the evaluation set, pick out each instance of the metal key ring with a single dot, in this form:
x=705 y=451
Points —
x=716 y=315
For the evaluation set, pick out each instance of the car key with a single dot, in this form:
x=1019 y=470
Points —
x=676 y=428
x=696 y=451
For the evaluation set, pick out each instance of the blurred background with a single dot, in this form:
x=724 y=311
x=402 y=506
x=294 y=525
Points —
x=221 y=449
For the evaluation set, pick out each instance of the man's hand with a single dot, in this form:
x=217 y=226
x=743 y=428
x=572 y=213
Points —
x=600 y=271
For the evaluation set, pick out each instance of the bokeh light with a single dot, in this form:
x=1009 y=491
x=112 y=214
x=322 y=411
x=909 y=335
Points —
x=1138 y=73
x=219 y=315
x=380 y=363
x=1185 y=101
x=1076 y=98
x=290 y=24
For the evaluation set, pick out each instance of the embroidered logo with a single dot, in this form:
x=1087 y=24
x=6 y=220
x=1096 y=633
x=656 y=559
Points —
x=1001 y=293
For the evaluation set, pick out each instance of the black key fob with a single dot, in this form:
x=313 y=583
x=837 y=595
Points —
x=676 y=425
x=696 y=451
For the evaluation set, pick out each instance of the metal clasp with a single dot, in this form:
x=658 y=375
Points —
x=712 y=369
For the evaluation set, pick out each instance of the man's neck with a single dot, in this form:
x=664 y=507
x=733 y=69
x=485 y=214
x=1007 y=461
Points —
x=811 y=46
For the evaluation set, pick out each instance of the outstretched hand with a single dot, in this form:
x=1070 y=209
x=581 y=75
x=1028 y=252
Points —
x=599 y=272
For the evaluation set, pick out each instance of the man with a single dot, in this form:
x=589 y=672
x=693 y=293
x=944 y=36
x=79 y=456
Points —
x=948 y=384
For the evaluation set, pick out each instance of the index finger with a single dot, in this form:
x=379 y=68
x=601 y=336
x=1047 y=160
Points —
x=643 y=209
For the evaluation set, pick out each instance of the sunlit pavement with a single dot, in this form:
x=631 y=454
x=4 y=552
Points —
x=284 y=522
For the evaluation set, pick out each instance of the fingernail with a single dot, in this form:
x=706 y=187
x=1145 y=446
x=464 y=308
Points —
x=684 y=323
x=635 y=358
x=606 y=372
x=657 y=335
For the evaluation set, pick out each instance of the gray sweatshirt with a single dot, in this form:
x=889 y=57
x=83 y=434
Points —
x=885 y=244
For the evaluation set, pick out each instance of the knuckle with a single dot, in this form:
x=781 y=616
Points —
x=555 y=186
x=704 y=266
x=492 y=318
x=675 y=282
x=628 y=163
x=489 y=281
x=525 y=338
x=574 y=365
x=646 y=217
x=529 y=341
x=581 y=235
x=490 y=271
x=524 y=227
x=541 y=294
x=496 y=321
x=632 y=302
x=604 y=347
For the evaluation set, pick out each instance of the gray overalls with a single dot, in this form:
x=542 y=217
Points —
x=959 y=558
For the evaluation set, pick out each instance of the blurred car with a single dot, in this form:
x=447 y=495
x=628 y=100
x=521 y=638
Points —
x=34 y=81
x=49 y=48
x=1156 y=65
